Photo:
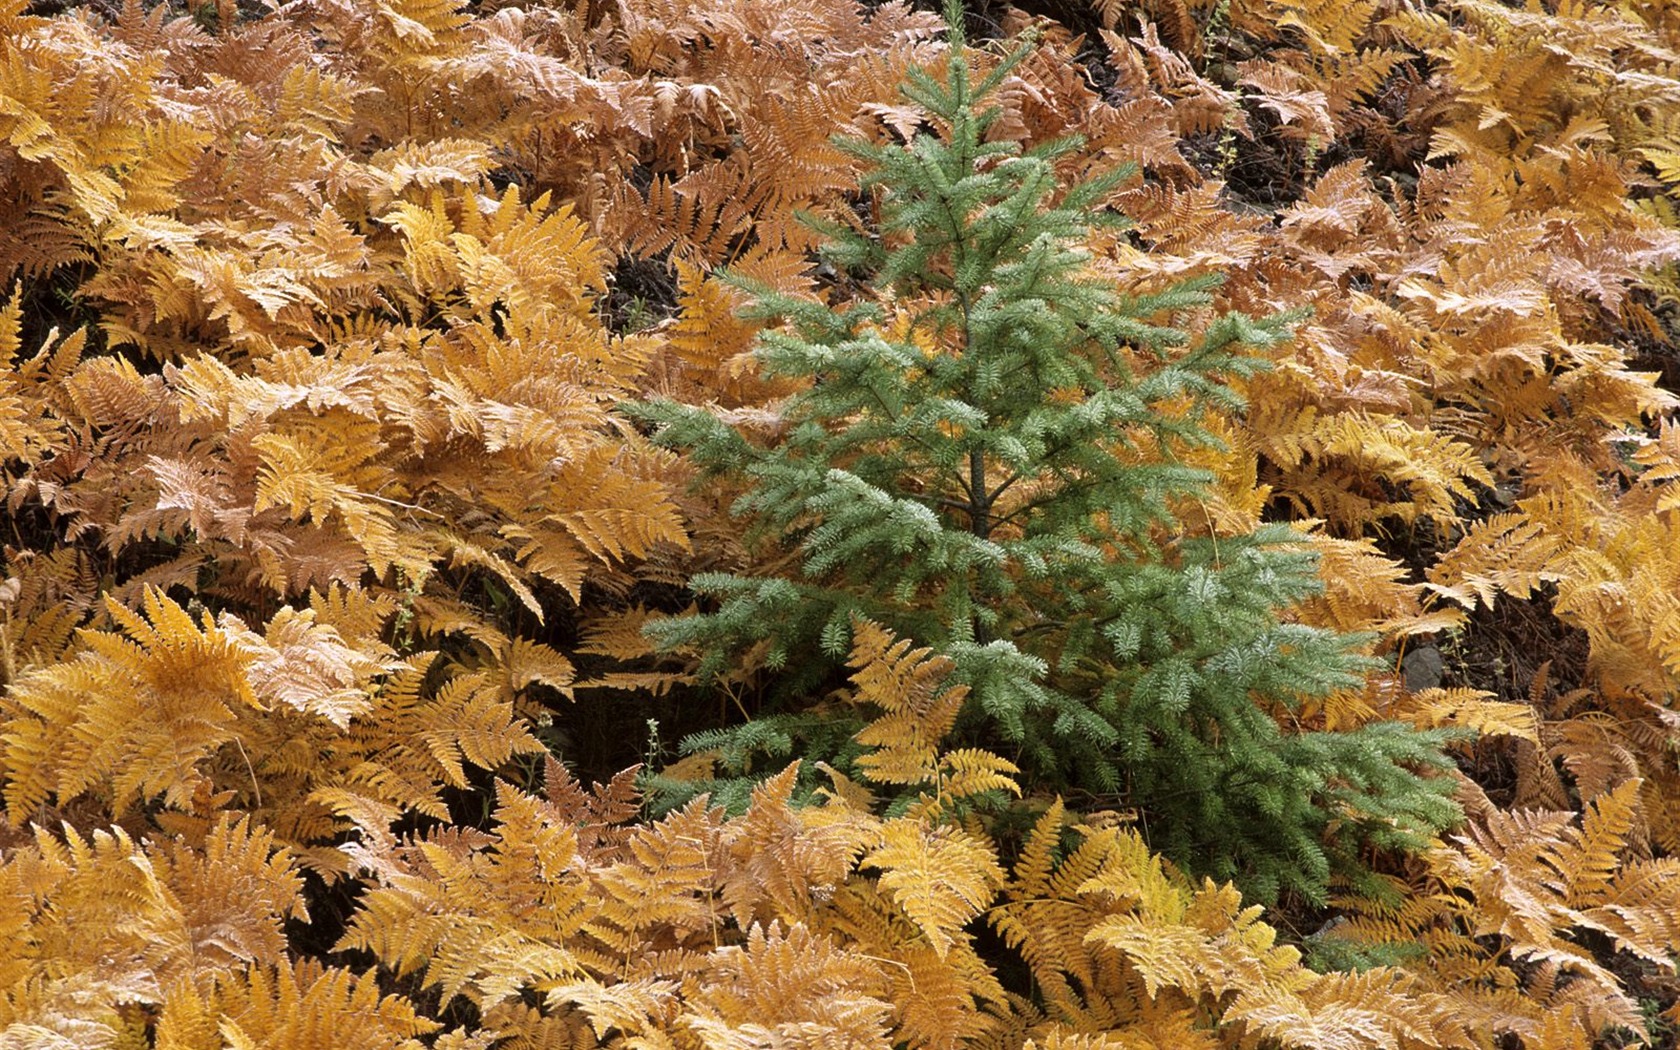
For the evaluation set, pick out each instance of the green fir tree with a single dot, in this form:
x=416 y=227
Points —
x=993 y=485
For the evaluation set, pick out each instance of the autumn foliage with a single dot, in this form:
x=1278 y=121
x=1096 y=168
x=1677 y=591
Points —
x=344 y=543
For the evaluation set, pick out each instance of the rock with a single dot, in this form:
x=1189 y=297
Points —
x=1423 y=668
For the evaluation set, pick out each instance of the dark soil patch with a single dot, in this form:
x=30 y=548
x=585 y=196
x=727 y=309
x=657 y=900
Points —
x=642 y=293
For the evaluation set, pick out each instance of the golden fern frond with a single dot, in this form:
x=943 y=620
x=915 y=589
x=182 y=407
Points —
x=793 y=161
x=1637 y=909
x=643 y=1007
x=1473 y=709
x=1378 y=1007
x=1121 y=944
x=100 y=924
x=624 y=516
x=38 y=633
x=325 y=472
x=1532 y=878
x=1588 y=859
x=939 y=876
x=1326 y=26
x=141 y=708
x=619 y=636
x=785 y=860
x=35 y=239
x=440 y=617
x=1164 y=954
x=1031 y=874
x=414 y=741
x=481 y=916
x=297 y=1006
x=315 y=101
x=1502 y=552
x=233 y=891
x=1660 y=458
x=972 y=771
x=28 y=429
x=1366 y=590
x=789 y=984
x=909 y=686
x=545 y=249
x=937 y=997
x=307 y=666
x=1435 y=470
x=666 y=880
x=529 y=1028
x=81 y=925
x=111 y=392
x=465 y=554
x=707 y=348
x=473 y=721
x=359 y=616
